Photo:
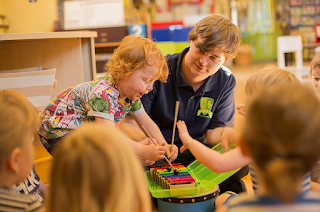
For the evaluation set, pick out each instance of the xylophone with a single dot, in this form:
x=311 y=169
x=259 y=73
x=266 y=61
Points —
x=167 y=179
x=198 y=194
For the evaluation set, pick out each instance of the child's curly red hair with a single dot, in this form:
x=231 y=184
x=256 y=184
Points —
x=136 y=52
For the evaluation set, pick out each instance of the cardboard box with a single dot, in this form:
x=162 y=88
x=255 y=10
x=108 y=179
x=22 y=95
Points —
x=34 y=83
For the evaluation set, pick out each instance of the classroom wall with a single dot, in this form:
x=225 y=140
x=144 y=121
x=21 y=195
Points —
x=24 y=16
x=1 y=8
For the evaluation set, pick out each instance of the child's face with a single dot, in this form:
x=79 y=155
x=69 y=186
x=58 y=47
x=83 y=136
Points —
x=27 y=157
x=315 y=79
x=140 y=82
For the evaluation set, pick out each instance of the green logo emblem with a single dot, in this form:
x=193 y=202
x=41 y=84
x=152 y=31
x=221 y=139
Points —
x=206 y=104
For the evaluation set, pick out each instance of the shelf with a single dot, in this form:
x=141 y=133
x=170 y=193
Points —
x=4 y=26
x=310 y=45
x=186 y=2
x=47 y=35
x=111 y=44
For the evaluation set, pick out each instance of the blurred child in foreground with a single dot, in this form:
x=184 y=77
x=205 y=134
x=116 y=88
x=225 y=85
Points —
x=94 y=169
x=281 y=135
x=18 y=125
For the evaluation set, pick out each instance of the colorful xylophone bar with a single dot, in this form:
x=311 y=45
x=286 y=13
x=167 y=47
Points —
x=168 y=180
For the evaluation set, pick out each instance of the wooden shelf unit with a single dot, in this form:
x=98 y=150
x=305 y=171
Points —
x=111 y=44
x=71 y=53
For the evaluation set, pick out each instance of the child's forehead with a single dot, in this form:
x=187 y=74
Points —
x=316 y=70
x=151 y=71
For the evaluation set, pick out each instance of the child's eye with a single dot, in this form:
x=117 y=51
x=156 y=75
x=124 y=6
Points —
x=316 y=78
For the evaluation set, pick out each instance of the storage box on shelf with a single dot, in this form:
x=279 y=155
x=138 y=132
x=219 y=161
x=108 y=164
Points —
x=93 y=13
x=36 y=84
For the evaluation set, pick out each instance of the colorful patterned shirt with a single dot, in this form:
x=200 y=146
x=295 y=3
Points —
x=82 y=103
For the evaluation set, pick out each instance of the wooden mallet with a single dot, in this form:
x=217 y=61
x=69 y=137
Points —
x=175 y=171
x=175 y=123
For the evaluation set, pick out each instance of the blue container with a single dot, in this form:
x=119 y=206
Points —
x=161 y=35
x=203 y=202
x=181 y=34
x=175 y=33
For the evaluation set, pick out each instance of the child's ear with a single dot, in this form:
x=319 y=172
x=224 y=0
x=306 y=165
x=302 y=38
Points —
x=243 y=147
x=14 y=160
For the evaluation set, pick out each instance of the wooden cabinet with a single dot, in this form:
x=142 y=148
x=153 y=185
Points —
x=104 y=52
x=70 y=53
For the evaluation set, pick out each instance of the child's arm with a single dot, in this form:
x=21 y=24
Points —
x=314 y=186
x=210 y=158
x=148 y=151
x=241 y=109
x=130 y=128
x=144 y=120
x=43 y=190
x=225 y=135
x=222 y=209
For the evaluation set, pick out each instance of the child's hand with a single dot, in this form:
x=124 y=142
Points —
x=228 y=136
x=146 y=162
x=184 y=135
x=174 y=153
x=152 y=152
x=147 y=141
x=241 y=109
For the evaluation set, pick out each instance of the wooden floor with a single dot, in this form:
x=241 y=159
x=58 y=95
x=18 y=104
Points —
x=242 y=73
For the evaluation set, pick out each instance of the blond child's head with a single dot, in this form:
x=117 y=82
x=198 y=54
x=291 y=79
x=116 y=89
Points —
x=134 y=53
x=217 y=32
x=282 y=136
x=270 y=75
x=95 y=170
x=315 y=73
x=18 y=124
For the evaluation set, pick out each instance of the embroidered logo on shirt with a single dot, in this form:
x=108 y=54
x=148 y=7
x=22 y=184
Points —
x=206 y=104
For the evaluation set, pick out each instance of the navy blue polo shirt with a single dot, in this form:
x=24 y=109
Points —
x=211 y=106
